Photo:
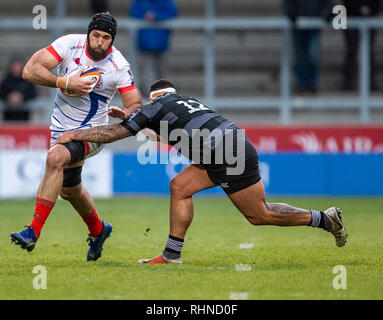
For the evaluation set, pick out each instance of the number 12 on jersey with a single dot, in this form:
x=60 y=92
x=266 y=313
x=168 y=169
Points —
x=193 y=105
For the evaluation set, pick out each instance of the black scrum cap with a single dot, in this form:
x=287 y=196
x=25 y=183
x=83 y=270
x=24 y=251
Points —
x=103 y=22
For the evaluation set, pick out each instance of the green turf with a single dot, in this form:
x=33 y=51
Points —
x=286 y=263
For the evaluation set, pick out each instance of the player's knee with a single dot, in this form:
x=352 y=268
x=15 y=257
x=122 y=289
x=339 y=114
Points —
x=174 y=187
x=70 y=194
x=260 y=219
x=55 y=160
x=256 y=221
x=66 y=195
x=177 y=188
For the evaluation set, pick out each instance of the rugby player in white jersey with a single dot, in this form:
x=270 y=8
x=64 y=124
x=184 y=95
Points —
x=64 y=162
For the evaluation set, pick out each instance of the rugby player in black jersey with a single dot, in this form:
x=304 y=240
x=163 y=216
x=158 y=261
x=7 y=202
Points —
x=221 y=156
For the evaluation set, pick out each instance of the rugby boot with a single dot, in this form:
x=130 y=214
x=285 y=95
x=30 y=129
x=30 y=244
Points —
x=160 y=260
x=26 y=239
x=96 y=243
x=333 y=223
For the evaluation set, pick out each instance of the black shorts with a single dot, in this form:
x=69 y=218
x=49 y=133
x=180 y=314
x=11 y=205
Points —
x=229 y=182
x=72 y=176
x=76 y=150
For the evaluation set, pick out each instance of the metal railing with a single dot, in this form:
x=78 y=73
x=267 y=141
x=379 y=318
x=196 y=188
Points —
x=286 y=101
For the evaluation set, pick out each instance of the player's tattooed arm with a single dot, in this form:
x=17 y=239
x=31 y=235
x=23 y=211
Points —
x=285 y=208
x=100 y=134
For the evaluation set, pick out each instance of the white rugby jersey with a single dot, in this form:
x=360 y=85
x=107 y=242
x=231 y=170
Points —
x=90 y=110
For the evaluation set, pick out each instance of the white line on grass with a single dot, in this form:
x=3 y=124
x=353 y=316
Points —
x=246 y=245
x=242 y=267
x=239 y=296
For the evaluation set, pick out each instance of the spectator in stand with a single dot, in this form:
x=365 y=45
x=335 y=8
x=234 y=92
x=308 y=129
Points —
x=358 y=8
x=15 y=91
x=152 y=43
x=307 y=41
x=97 y=6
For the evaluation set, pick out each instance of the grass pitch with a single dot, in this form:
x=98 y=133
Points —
x=281 y=263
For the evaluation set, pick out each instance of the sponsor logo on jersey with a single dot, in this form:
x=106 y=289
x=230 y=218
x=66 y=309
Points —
x=78 y=47
x=131 y=75
x=113 y=63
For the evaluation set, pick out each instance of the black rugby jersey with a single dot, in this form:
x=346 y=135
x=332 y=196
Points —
x=178 y=119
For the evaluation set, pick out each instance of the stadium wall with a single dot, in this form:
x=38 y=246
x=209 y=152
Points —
x=294 y=161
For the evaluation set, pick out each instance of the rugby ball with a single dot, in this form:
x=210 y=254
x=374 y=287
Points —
x=89 y=73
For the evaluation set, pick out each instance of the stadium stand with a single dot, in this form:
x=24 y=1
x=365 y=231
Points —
x=247 y=61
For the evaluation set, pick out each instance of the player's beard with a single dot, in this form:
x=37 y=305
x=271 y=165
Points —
x=97 y=54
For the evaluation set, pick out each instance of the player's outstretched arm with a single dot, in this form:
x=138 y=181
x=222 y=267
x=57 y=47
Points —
x=131 y=101
x=100 y=134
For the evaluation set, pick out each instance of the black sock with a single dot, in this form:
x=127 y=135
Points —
x=321 y=222
x=173 y=247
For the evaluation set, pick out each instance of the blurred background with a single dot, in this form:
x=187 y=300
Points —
x=309 y=95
